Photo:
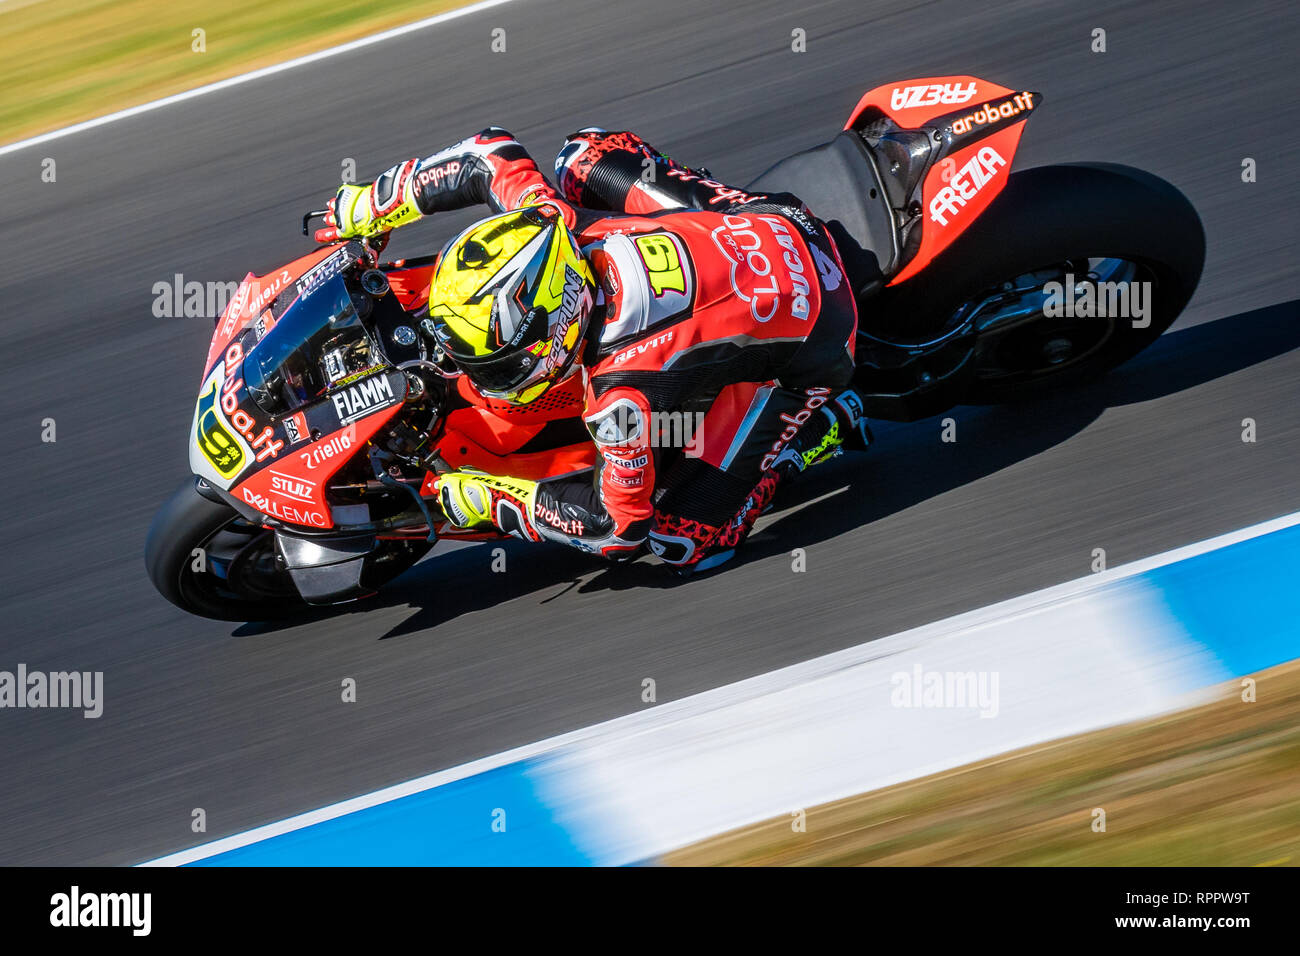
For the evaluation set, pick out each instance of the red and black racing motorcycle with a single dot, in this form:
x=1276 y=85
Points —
x=324 y=413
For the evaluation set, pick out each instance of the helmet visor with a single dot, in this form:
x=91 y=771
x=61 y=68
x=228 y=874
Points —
x=499 y=373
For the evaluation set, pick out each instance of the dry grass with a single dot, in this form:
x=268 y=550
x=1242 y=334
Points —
x=1215 y=786
x=62 y=61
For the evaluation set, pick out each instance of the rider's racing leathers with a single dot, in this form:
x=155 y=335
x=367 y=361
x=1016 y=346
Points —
x=719 y=350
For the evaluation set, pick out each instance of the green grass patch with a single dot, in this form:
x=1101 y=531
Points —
x=1218 y=785
x=63 y=61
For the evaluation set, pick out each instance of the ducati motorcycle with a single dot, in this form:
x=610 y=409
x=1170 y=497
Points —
x=325 y=414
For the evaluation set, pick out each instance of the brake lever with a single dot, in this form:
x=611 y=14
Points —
x=307 y=218
x=373 y=244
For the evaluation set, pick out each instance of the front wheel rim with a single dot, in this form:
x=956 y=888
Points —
x=239 y=565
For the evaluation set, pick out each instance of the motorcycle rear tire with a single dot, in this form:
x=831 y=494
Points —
x=1053 y=214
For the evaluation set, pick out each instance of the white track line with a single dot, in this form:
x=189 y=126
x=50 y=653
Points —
x=250 y=76
x=752 y=687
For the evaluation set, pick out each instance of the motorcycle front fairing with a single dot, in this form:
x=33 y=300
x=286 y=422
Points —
x=274 y=421
x=295 y=391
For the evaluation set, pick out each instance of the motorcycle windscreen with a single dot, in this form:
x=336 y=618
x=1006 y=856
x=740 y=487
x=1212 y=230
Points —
x=319 y=340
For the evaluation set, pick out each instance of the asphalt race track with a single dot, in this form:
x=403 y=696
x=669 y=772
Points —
x=454 y=663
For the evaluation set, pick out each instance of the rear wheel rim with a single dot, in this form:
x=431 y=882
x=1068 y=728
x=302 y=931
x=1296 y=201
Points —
x=1019 y=342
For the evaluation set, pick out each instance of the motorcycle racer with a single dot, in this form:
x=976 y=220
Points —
x=711 y=333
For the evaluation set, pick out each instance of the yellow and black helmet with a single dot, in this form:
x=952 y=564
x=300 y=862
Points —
x=510 y=301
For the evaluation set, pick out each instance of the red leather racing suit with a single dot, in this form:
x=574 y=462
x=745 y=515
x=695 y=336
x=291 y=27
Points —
x=724 y=321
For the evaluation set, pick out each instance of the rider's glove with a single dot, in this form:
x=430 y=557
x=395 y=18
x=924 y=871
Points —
x=473 y=500
x=366 y=209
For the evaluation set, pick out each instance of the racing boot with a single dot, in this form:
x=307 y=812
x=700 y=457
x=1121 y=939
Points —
x=822 y=438
x=842 y=425
x=849 y=413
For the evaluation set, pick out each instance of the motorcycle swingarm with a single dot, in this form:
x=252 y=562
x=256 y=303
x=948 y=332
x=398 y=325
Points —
x=904 y=384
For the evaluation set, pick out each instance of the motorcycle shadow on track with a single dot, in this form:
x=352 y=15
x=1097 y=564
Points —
x=907 y=465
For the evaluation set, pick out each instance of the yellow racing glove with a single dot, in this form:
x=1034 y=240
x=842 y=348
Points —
x=471 y=499
x=366 y=209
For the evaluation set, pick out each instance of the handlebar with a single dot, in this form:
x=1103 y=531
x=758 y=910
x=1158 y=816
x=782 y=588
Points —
x=314 y=214
x=374 y=244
